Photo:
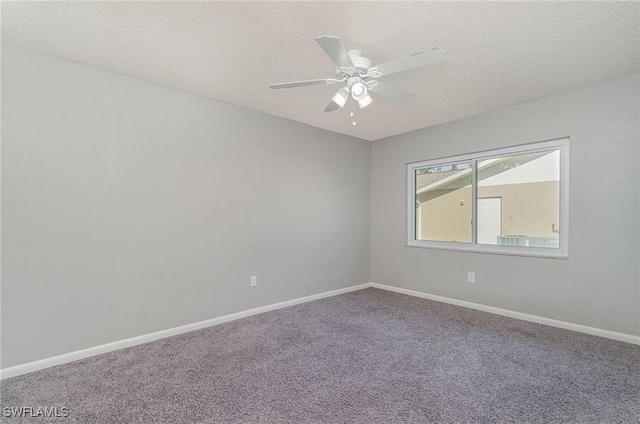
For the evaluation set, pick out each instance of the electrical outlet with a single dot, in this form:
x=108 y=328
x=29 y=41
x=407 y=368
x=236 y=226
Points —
x=254 y=280
x=471 y=277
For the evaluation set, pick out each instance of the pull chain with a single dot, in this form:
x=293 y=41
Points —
x=351 y=114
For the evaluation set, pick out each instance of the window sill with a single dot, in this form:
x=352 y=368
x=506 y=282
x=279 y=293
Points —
x=534 y=252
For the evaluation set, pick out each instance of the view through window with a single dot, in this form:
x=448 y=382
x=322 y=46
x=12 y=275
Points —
x=507 y=201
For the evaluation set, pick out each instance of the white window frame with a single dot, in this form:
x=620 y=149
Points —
x=561 y=144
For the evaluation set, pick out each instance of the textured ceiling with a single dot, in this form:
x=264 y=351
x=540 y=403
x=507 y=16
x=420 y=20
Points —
x=498 y=54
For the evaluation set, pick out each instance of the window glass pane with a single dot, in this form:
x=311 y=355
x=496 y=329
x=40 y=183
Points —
x=443 y=203
x=519 y=200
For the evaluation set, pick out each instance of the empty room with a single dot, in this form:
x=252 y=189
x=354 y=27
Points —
x=320 y=212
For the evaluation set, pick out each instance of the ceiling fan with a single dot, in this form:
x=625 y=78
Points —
x=360 y=76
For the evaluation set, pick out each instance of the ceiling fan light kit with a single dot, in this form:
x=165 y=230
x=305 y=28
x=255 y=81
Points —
x=360 y=94
x=358 y=90
x=365 y=101
x=341 y=97
x=361 y=77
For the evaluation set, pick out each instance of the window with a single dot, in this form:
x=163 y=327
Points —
x=509 y=201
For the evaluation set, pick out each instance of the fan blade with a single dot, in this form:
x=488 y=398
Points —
x=392 y=92
x=332 y=106
x=303 y=83
x=333 y=47
x=417 y=60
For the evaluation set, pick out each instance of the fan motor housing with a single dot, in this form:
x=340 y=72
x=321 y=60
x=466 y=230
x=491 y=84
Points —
x=360 y=62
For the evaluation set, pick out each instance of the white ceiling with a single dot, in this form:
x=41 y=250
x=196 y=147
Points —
x=498 y=54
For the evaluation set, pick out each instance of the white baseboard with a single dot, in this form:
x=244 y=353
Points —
x=145 y=338
x=628 y=338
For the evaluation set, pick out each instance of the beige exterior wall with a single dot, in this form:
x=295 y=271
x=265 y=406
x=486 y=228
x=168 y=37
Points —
x=443 y=218
x=527 y=209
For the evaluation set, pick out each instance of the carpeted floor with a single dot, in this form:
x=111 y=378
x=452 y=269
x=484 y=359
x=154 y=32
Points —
x=369 y=356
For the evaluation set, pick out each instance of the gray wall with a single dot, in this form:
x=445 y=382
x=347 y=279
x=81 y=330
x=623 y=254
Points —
x=599 y=285
x=129 y=207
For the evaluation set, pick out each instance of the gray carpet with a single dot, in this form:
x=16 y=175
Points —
x=365 y=357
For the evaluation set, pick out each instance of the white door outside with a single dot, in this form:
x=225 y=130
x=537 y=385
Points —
x=489 y=220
